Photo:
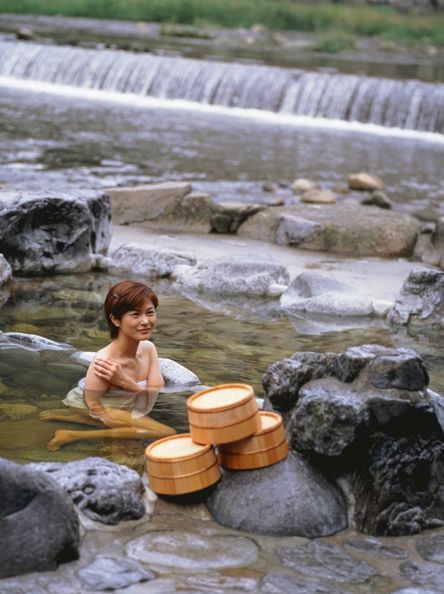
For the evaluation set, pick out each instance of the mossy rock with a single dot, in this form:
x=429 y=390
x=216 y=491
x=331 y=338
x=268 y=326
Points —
x=16 y=410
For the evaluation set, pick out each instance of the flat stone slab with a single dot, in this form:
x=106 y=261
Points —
x=113 y=573
x=342 y=228
x=325 y=560
x=187 y=551
x=145 y=261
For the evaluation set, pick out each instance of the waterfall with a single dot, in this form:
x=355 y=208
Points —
x=407 y=104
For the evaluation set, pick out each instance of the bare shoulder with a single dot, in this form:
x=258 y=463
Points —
x=148 y=347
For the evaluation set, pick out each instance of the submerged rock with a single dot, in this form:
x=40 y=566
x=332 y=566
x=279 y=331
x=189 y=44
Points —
x=241 y=275
x=53 y=232
x=325 y=560
x=38 y=524
x=279 y=583
x=420 y=302
x=364 y=182
x=188 y=551
x=290 y=498
x=112 y=573
x=103 y=491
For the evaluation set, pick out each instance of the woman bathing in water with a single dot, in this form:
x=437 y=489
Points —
x=125 y=373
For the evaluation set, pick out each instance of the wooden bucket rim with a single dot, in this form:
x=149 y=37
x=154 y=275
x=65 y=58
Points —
x=254 y=452
x=225 y=407
x=185 y=475
x=269 y=413
x=223 y=427
x=150 y=456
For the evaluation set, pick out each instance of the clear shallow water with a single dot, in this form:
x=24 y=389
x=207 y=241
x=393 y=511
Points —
x=218 y=348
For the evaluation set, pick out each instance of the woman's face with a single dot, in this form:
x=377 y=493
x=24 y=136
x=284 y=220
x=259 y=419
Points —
x=137 y=323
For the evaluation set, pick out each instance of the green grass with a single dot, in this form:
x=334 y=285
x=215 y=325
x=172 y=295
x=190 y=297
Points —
x=275 y=14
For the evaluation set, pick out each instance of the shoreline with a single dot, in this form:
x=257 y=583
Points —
x=379 y=278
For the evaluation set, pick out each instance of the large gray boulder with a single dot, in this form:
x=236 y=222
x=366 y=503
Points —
x=433 y=250
x=39 y=527
x=344 y=228
x=53 y=232
x=103 y=491
x=290 y=498
x=367 y=414
x=312 y=293
x=147 y=262
x=235 y=275
x=420 y=302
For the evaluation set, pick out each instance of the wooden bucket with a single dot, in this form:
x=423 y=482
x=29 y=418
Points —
x=223 y=413
x=266 y=447
x=176 y=465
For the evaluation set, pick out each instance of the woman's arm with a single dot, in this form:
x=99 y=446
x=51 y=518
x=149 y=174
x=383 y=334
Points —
x=155 y=378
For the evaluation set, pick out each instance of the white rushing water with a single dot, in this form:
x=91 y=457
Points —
x=289 y=96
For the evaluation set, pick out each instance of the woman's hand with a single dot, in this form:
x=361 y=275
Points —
x=112 y=372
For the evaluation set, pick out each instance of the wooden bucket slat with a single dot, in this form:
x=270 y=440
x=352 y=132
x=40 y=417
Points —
x=225 y=434
x=270 y=434
x=187 y=484
x=214 y=419
x=253 y=460
x=210 y=398
x=175 y=468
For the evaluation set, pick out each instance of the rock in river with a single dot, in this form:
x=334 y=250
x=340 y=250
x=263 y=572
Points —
x=53 y=232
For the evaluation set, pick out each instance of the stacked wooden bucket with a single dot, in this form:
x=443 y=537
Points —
x=227 y=417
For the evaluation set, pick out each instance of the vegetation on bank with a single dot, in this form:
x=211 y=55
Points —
x=326 y=18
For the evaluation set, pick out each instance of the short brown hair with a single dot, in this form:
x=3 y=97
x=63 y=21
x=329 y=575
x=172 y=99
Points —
x=123 y=297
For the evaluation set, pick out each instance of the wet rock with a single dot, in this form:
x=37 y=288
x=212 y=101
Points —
x=318 y=196
x=227 y=217
x=222 y=583
x=25 y=33
x=269 y=186
x=175 y=374
x=364 y=182
x=405 y=371
x=376 y=548
x=34 y=342
x=301 y=185
x=414 y=591
x=325 y=561
x=283 y=379
x=5 y=270
x=38 y=524
x=408 y=479
x=343 y=228
x=15 y=410
x=378 y=199
x=277 y=583
x=431 y=548
x=286 y=499
x=188 y=551
x=318 y=294
x=111 y=573
x=420 y=302
x=423 y=574
x=147 y=262
x=44 y=233
x=103 y=491
x=241 y=275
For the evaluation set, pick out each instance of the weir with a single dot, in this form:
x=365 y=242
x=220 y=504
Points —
x=405 y=104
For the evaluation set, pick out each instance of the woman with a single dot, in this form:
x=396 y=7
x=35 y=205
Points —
x=124 y=378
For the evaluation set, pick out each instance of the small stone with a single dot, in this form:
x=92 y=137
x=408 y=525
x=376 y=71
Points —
x=276 y=583
x=317 y=196
x=376 y=548
x=364 y=182
x=301 y=185
x=15 y=410
x=268 y=186
x=419 y=574
x=25 y=34
x=378 y=199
